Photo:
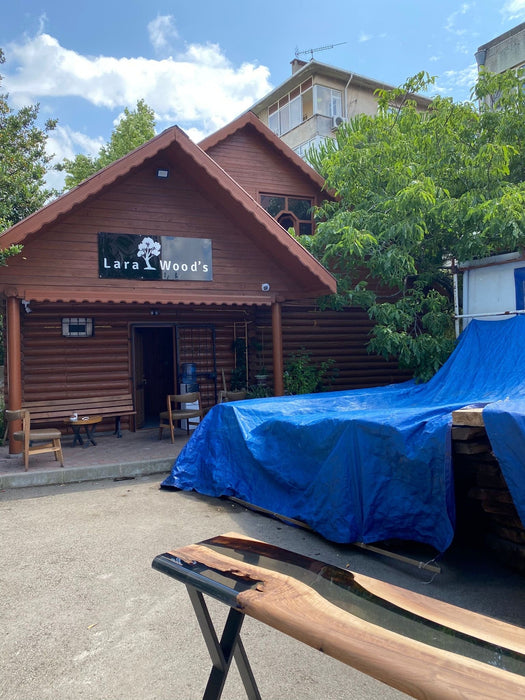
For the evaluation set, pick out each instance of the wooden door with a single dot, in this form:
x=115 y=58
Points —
x=154 y=372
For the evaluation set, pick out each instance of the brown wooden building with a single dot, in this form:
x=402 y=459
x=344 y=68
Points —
x=162 y=260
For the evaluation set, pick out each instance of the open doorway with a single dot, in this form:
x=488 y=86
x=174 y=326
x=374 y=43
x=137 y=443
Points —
x=154 y=365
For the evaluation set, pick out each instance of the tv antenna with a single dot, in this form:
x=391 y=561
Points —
x=320 y=48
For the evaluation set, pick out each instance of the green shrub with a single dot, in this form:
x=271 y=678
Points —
x=302 y=376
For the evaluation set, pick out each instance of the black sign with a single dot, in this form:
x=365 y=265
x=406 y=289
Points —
x=129 y=256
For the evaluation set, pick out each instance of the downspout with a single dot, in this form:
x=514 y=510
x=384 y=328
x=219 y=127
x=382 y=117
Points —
x=346 y=96
x=456 y=298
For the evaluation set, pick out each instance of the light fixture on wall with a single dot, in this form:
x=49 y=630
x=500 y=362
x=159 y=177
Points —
x=163 y=173
x=25 y=304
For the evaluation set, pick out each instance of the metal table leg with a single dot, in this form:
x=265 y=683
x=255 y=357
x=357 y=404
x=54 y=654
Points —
x=77 y=437
x=223 y=652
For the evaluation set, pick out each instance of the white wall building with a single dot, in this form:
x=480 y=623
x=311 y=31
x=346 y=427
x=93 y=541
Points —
x=308 y=107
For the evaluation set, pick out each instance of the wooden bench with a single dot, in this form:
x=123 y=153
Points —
x=419 y=645
x=106 y=406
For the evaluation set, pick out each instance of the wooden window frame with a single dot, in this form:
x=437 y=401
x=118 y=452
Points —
x=289 y=212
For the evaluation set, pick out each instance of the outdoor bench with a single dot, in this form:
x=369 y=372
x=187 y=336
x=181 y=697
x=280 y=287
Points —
x=419 y=645
x=106 y=406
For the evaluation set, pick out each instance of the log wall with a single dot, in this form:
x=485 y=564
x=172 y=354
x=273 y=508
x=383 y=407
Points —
x=56 y=367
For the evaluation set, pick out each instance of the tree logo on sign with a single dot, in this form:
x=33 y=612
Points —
x=147 y=249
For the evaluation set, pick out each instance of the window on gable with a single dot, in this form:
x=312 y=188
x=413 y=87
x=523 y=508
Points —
x=290 y=212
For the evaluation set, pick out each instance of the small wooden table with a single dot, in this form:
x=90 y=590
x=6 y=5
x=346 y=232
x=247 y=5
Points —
x=419 y=645
x=89 y=423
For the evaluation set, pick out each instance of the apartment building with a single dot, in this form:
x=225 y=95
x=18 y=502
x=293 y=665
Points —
x=315 y=100
x=505 y=52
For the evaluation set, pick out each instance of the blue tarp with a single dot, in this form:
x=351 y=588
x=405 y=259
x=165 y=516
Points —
x=370 y=464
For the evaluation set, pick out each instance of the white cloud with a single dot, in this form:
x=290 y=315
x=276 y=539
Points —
x=514 y=9
x=465 y=77
x=450 y=24
x=457 y=83
x=161 y=31
x=62 y=143
x=199 y=87
x=363 y=37
x=66 y=143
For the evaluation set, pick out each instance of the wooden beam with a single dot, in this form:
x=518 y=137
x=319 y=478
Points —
x=277 y=339
x=14 y=367
x=468 y=416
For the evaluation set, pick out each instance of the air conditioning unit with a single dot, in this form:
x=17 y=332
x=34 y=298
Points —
x=337 y=121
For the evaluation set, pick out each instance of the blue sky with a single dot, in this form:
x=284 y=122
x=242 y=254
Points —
x=199 y=65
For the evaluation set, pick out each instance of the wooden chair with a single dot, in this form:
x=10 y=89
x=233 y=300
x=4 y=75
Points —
x=178 y=409
x=225 y=396
x=49 y=436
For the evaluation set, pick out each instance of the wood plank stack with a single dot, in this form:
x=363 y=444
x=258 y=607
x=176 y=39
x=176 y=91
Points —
x=485 y=509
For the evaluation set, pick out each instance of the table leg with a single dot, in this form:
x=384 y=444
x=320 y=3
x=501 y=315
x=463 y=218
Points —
x=117 y=432
x=90 y=429
x=223 y=652
x=77 y=437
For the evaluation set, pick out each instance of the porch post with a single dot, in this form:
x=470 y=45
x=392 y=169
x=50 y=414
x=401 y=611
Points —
x=14 y=366
x=277 y=338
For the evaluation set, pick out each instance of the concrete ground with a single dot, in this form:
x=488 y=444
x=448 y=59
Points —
x=83 y=614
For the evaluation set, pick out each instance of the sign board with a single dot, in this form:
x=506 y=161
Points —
x=132 y=256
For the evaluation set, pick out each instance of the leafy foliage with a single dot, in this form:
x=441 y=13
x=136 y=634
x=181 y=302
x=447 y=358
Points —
x=23 y=164
x=302 y=376
x=419 y=190
x=135 y=128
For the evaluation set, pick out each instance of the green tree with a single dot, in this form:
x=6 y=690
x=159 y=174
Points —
x=135 y=128
x=417 y=192
x=24 y=163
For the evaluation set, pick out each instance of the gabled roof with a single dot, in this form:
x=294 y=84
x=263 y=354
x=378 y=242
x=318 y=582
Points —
x=249 y=121
x=176 y=147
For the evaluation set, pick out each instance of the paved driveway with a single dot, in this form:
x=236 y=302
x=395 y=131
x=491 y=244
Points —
x=83 y=614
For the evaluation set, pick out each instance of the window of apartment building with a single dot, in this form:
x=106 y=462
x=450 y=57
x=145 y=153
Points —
x=301 y=104
x=290 y=212
x=303 y=148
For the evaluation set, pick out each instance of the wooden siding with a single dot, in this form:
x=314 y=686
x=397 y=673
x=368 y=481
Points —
x=57 y=367
x=54 y=367
x=248 y=158
x=65 y=255
x=338 y=335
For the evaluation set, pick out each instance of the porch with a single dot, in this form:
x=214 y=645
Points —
x=135 y=454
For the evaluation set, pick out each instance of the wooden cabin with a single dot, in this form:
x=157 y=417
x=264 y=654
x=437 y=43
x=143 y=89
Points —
x=153 y=263
x=168 y=259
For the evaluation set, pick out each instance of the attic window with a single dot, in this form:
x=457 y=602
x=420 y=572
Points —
x=77 y=327
x=290 y=212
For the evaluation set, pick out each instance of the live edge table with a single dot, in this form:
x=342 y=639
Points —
x=421 y=646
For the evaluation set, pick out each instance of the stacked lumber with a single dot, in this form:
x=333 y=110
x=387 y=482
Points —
x=484 y=504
